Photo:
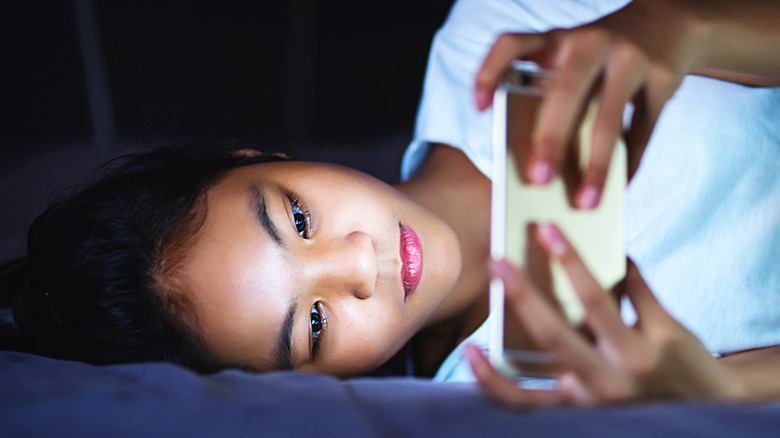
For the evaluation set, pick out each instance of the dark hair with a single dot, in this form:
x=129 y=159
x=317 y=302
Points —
x=92 y=287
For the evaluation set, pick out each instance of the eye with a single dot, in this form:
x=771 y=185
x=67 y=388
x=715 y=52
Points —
x=318 y=322
x=301 y=218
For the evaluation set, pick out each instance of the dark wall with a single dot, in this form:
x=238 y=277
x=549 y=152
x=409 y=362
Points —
x=329 y=80
x=196 y=69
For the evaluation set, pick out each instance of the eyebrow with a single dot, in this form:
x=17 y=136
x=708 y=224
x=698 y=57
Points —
x=283 y=352
x=283 y=349
x=258 y=207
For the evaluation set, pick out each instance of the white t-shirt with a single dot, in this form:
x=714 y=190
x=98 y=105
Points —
x=702 y=212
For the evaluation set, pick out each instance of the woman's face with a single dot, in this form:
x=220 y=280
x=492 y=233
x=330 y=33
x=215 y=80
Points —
x=314 y=267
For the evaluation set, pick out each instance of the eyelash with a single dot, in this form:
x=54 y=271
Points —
x=316 y=337
x=299 y=209
x=316 y=309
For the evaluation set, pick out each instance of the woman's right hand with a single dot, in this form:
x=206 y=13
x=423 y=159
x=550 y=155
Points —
x=638 y=55
x=655 y=358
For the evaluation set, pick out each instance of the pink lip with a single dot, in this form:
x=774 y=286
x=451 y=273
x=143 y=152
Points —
x=411 y=257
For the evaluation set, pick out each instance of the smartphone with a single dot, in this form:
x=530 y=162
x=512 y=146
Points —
x=518 y=206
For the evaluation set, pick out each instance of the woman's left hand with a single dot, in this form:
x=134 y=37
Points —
x=657 y=358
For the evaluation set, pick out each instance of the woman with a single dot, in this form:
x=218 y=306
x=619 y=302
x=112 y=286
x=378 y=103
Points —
x=217 y=259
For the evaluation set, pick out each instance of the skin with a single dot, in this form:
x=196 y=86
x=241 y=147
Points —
x=346 y=266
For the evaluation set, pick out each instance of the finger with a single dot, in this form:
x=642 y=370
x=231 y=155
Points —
x=572 y=388
x=648 y=309
x=503 y=389
x=507 y=48
x=603 y=315
x=546 y=327
x=648 y=104
x=560 y=110
x=637 y=137
x=622 y=79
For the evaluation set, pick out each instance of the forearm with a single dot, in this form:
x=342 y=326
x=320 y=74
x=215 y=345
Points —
x=757 y=379
x=737 y=36
x=738 y=78
x=726 y=39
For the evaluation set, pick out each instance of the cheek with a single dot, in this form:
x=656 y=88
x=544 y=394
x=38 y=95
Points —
x=369 y=337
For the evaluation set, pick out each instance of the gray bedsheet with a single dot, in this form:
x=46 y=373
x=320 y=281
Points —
x=46 y=397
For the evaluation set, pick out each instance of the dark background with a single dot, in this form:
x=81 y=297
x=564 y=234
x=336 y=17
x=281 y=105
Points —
x=184 y=69
x=84 y=80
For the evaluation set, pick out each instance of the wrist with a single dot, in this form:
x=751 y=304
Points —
x=682 y=32
x=736 y=386
x=755 y=375
x=740 y=37
x=701 y=30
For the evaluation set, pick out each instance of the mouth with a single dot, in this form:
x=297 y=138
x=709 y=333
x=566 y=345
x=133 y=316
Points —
x=411 y=258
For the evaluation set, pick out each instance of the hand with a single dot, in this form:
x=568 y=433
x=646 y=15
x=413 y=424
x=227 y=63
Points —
x=655 y=359
x=638 y=54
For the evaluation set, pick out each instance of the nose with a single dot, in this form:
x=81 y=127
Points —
x=346 y=265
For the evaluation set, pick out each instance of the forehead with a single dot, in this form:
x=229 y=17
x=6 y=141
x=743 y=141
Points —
x=234 y=274
x=283 y=170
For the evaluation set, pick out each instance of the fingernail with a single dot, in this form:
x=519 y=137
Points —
x=482 y=98
x=541 y=172
x=552 y=238
x=476 y=361
x=500 y=269
x=589 y=198
x=473 y=354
